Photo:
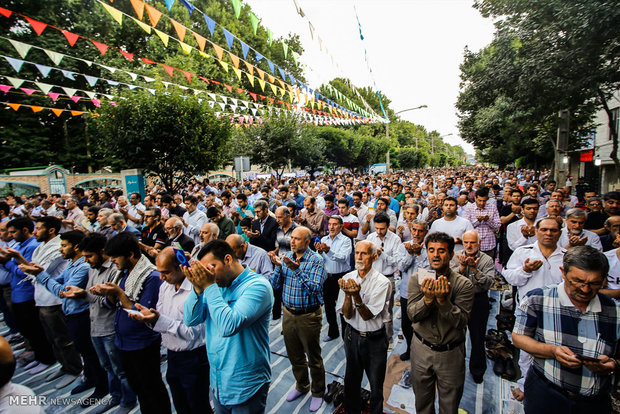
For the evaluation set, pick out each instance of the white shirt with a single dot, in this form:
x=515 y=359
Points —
x=361 y=216
x=394 y=256
x=514 y=236
x=133 y=211
x=593 y=239
x=613 y=277
x=27 y=402
x=547 y=274
x=48 y=256
x=375 y=291
x=454 y=228
x=338 y=257
x=175 y=335
x=417 y=262
x=194 y=220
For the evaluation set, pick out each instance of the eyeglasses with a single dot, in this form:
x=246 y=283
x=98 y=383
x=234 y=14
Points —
x=580 y=284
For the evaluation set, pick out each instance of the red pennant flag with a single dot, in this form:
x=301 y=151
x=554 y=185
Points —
x=127 y=55
x=216 y=82
x=262 y=97
x=57 y=111
x=6 y=13
x=253 y=95
x=204 y=79
x=288 y=106
x=187 y=75
x=148 y=61
x=169 y=69
x=228 y=87
x=102 y=48
x=15 y=106
x=239 y=90
x=271 y=100
x=71 y=37
x=37 y=25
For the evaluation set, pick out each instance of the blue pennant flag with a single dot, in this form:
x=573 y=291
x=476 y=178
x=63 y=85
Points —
x=45 y=70
x=92 y=80
x=229 y=38
x=189 y=6
x=259 y=57
x=271 y=66
x=169 y=4
x=68 y=74
x=291 y=78
x=283 y=73
x=244 y=49
x=210 y=23
x=16 y=63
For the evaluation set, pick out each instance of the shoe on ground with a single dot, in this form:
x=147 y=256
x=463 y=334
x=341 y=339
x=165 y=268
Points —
x=93 y=399
x=293 y=395
x=331 y=390
x=65 y=380
x=81 y=387
x=478 y=379
x=499 y=367
x=405 y=356
x=315 y=403
x=39 y=368
x=328 y=338
x=31 y=365
x=274 y=322
x=510 y=372
x=54 y=375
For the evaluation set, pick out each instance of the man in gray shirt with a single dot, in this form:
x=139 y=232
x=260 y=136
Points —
x=251 y=256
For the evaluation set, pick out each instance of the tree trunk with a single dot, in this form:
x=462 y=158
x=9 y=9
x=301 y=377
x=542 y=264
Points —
x=612 y=130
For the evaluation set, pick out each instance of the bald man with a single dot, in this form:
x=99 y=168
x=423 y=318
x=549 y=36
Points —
x=250 y=256
x=174 y=230
x=208 y=232
x=188 y=366
x=9 y=391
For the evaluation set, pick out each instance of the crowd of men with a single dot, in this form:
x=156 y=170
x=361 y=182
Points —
x=99 y=283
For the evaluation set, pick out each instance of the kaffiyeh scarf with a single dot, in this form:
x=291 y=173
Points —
x=136 y=278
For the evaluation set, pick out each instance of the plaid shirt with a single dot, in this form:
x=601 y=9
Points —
x=548 y=316
x=301 y=288
x=486 y=229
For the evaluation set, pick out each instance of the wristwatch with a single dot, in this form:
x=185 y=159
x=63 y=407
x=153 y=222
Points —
x=359 y=305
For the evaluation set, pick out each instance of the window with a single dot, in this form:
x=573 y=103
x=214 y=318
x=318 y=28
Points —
x=615 y=121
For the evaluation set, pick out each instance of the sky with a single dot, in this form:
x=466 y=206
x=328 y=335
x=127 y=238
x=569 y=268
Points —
x=414 y=48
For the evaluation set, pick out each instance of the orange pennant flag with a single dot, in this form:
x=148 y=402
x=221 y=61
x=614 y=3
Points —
x=15 y=106
x=153 y=13
x=235 y=60
x=36 y=25
x=271 y=78
x=71 y=37
x=138 y=6
x=250 y=67
x=180 y=29
x=169 y=69
x=102 y=48
x=36 y=108
x=76 y=113
x=187 y=75
x=218 y=51
x=281 y=83
x=127 y=55
x=200 y=40
x=261 y=74
x=57 y=111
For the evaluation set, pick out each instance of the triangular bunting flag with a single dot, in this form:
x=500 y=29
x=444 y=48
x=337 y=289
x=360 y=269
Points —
x=262 y=84
x=138 y=6
x=203 y=54
x=5 y=12
x=259 y=57
x=236 y=7
x=92 y=80
x=21 y=48
x=234 y=59
x=271 y=79
x=76 y=113
x=102 y=48
x=36 y=25
x=152 y=91
x=68 y=74
x=15 y=81
x=218 y=51
x=169 y=69
x=148 y=61
x=222 y=105
x=169 y=4
x=45 y=70
x=271 y=66
x=69 y=91
x=250 y=67
x=44 y=87
x=187 y=75
x=187 y=49
x=250 y=78
x=254 y=21
x=88 y=62
x=282 y=73
x=244 y=49
x=115 y=13
x=132 y=75
x=237 y=72
x=111 y=82
x=5 y=88
x=154 y=14
x=200 y=40
x=28 y=91
x=261 y=74
x=281 y=83
x=210 y=23
x=229 y=38
x=269 y=37
x=224 y=65
x=57 y=111
x=285 y=48
x=228 y=87
x=148 y=79
x=132 y=87
x=163 y=36
x=189 y=6
x=15 y=106
x=128 y=56
x=273 y=88
x=53 y=95
x=54 y=56
x=77 y=98
x=96 y=102
x=36 y=108
x=212 y=96
x=15 y=63
x=144 y=26
x=179 y=28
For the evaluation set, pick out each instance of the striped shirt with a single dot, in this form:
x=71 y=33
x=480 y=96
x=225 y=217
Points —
x=301 y=288
x=486 y=228
x=549 y=316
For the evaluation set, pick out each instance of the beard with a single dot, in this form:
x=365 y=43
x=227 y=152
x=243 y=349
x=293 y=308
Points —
x=359 y=265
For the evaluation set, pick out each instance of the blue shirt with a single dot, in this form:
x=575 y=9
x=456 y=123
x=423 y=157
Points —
x=75 y=274
x=237 y=334
x=299 y=200
x=21 y=291
x=5 y=275
x=133 y=335
x=394 y=206
x=301 y=288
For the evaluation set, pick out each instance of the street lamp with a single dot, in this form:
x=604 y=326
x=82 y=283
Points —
x=433 y=141
x=387 y=134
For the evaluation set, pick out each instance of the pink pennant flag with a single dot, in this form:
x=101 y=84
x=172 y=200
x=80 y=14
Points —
x=28 y=91
x=96 y=102
x=75 y=98
x=5 y=88
x=53 y=95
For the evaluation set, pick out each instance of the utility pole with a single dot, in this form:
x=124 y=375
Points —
x=387 y=135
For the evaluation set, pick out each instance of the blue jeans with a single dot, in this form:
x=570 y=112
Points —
x=255 y=405
x=111 y=361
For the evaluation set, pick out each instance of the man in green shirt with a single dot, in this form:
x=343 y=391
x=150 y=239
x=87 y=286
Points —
x=225 y=224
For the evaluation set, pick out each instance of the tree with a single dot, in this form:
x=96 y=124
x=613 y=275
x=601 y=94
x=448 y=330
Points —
x=167 y=135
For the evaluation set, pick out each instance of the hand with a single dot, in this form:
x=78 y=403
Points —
x=473 y=263
x=529 y=267
x=427 y=288
x=32 y=268
x=252 y=234
x=576 y=241
x=566 y=357
x=462 y=262
x=146 y=315
x=369 y=217
x=7 y=251
x=290 y=263
x=603 y=367
x=353 y=211
x=199 y=275
x=442 y=289
x=349 y=286
x=106 y=289
x=480 y=218
x=379 y=251
x=485 y=217
x=457 y=240
x=317 y=247
x=325 y=248
x=400 y=229
x=73 y=292
x=527 y=231
x=68 y=222
x=274 y=258
x=516 y=209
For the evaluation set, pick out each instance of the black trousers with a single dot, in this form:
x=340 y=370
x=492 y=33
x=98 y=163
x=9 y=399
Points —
x=477 y=326
x=276 y=312
x=188 y=378
x=78 y=326
x=27 y=318
x=5 y=308
x=364 y=354
x=406 y=324
x=330 y=296
x=54 y=323
x=142 y=368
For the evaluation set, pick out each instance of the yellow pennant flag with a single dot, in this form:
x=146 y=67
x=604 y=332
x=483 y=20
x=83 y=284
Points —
x=273 y=88
x=163 y=36
x=144 y=26
x=218 y=51
x=224 y=65
x=237 y=72
x=262 y=84
x=234 y=59
x=115 y=13
x=250 y=78
x=180 y=29
x=250 y=67
x=281 y=83
x=200 y=40
x=282 y=92
x=186 y=48
x=291 y=96
x=203 y=54
x=138 y=6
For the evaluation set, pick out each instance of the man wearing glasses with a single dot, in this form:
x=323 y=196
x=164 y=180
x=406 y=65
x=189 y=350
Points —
x=572 y=331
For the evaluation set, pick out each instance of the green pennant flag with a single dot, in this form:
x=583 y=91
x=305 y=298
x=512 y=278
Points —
x=294 y=57
x=236 y=6
x=285 y=48
x=269 y=37
x=254 y=21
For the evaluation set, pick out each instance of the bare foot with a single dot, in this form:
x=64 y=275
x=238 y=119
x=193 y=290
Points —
x=518 y=394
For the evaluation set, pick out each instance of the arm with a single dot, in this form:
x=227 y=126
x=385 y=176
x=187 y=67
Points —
x=485 y=274
x=70 y=277
x=277 y=277
x=514 y=237
x=494 y=222
x=314 y=277
x=457 y=313
x=177 y=328
x=194 y=231
x=341 y=254
x=417 y=308
x=514 y=273
x=194 y=309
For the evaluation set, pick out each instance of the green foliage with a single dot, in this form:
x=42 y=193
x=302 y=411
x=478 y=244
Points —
x=166 y=135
